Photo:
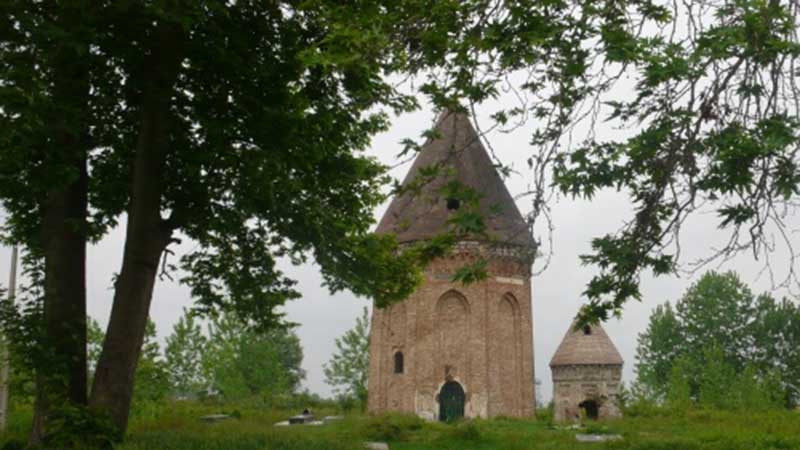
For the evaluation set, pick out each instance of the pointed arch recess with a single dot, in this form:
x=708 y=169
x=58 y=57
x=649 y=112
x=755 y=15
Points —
x=452 y=334
x=506 y=348
x=448 y=297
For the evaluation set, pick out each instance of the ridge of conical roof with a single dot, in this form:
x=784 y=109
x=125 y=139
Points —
x=578 y=348
x=421 y=214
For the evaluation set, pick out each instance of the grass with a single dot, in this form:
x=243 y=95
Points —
x=178 y=428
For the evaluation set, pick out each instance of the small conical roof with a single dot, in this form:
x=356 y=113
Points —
x=458 y=155
x=579 y=348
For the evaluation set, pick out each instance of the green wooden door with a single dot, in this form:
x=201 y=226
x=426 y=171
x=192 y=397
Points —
x=451 y=402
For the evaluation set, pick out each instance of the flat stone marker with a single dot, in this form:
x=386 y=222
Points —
x=328 y=419
x=301 y=419
x=597 y=437
x=214 y=417
x=376 y=445
x=284 y=423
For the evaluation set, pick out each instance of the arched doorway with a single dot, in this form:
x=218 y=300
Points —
x=591 y=408
x=451 y=402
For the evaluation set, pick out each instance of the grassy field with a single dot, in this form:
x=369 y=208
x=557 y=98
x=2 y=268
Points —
x=178 y=428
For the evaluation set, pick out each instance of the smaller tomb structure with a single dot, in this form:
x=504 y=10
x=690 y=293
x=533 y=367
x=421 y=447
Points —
x=587 y=371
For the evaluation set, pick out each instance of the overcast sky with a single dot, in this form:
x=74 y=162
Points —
x=556 y=292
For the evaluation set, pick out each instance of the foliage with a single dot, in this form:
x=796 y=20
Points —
x=348 y=369
x=393 y=427
x=679 y=394
x=716 y=377
x=240 y=125
x=719 y=332
x=183 y=356
x=698 y=139
x=94 y=344
x=240 y=362
x=694 y=138
x=636 y=400
x=152 y=381
x=79 y=427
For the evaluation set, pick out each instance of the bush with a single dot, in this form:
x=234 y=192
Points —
x=545 y=414
x=679 y=394
x=77 y=427
x=638 y=401
x=466 y=431
x=393 y=427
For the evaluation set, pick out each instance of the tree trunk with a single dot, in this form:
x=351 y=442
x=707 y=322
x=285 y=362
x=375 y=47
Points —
x=64 y=376
x=147 y=233
x=61 y=374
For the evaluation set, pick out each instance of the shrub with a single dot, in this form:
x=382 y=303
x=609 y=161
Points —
x=77 y=427
x=466 y=431
x=679 y=396
x=545 y=414
x=639 y=401
x=393 y=427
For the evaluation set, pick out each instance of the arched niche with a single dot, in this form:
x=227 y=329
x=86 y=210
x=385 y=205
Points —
x=452 y=299
x=451 y=328
x=505 y=349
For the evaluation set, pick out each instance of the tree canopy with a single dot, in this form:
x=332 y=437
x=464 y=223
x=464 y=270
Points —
x=720 y=324
x=240 y=363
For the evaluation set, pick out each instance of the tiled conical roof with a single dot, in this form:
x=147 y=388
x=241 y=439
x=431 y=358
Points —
x=578 y=348
x=458 y=155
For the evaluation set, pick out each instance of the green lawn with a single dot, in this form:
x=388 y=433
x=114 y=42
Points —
x=178 y=428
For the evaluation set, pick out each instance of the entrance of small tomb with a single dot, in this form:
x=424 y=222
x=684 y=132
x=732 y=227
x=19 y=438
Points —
x=451 y=402
x=591 y=408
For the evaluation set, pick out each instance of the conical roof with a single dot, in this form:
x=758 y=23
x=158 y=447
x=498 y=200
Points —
x=456 y=154
x=579 y=347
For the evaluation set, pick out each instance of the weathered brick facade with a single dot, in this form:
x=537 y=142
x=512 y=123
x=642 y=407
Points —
x=479 y=335
x=587 y=371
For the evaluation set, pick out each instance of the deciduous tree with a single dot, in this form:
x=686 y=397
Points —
x=348 y=369
x=718 y=328
x=241 y=362
x=183 y=354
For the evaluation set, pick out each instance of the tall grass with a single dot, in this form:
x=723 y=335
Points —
x=177 y=426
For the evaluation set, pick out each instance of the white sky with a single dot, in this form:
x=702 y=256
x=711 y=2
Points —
x=556 y=293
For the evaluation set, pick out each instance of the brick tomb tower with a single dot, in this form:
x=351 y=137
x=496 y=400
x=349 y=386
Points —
x=449 y=349
x=587 y=370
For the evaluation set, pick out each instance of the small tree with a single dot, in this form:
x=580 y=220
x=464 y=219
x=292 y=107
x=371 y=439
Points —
x=348 y=369
x=241 y=363
x=717 y=378
x=679 y=396
x=183 y=354
x=151 y=382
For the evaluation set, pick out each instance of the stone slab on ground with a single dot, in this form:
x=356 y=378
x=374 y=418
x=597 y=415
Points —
x=376 y=445
x=284 y=423
x=327 y=419
x=215 y=417
x=301 y=419
x=597 y=437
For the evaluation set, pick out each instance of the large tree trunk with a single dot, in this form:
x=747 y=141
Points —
x=148 y=234
x=64 y=376
x=61 y=376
